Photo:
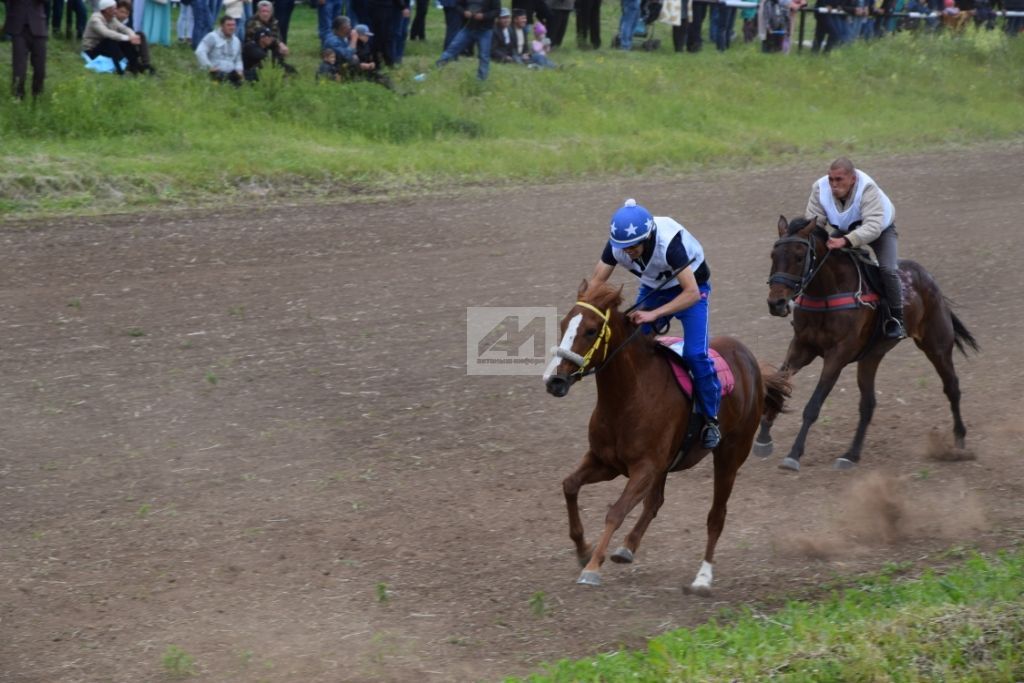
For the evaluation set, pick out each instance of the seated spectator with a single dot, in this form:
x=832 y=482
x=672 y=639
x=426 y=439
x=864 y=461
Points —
x=220 y=53
x=539 y=48
x=502 y=47
x=255 y=52
x=342 y=41
x=520 y=37
x=328 y=66
x=264 y=18
x=367 y=67
x=105 y=35
x=952 y=17
x=123 y=13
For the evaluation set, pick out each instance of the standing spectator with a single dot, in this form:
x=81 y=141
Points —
x=419 y=21
x=384 y=15
x=588 y=24
x=723 y=20
x=185 y=21
x=220 y=53
x=156 y=22
x=748 y=16
x=202 y=20
x=559 y=23
x=453 y=21
x=480 y=16
x=138 y=11
x=827 y=33
x=282 y=11
x=401 y=32
x=502 y=47
x=76 y=7
x=105 y=35
x=535 y=9
x=25 y=23
x=627 y=23
x=774 y=22
x=326 y=12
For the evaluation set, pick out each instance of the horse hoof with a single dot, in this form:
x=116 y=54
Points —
x=790 y=464
x=700 y=589
x=763 y=450
x=589 y=579
x=844 y=464
x=622 y=556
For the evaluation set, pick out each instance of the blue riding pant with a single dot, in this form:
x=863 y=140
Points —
x=706 y=387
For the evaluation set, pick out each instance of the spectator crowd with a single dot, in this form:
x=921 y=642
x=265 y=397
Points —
x=234 y=40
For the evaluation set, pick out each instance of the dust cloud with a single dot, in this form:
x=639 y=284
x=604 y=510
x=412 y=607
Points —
x=878 y=510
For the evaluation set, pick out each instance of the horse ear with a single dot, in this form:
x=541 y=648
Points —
x=783 y=226
x=583 y=289
x=811 y=224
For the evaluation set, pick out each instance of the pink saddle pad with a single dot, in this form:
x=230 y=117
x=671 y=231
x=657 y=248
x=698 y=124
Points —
x=725 y=377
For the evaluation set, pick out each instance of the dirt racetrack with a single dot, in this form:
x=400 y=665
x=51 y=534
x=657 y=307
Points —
x=250 y=434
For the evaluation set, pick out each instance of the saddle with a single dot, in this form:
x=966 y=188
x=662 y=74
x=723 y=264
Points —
x=870 y=279
x=672 y=349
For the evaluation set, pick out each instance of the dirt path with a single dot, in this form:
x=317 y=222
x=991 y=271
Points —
x=233 y=433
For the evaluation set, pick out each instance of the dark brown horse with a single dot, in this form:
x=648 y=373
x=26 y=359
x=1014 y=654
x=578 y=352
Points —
x=640 y=421
x=834 y=321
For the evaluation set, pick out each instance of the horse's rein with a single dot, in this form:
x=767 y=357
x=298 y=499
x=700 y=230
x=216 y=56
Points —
x=813 y=265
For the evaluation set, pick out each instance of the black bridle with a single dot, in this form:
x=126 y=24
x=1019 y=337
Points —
x=811 y=265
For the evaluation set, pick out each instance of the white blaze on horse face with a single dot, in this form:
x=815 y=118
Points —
x=566 y=345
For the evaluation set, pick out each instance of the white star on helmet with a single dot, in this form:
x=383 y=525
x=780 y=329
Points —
x=631 y=230
x=649 y=224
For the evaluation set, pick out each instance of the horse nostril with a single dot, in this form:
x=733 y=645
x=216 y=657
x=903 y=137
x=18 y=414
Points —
x=558 y=386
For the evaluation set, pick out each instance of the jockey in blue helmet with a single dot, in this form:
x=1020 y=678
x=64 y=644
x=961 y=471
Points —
x=653 y=248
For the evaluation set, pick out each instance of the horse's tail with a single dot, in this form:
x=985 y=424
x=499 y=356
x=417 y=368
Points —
x=962 y=335
x=777 y=388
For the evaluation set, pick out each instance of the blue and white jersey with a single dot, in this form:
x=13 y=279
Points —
x=844 y=221
x=674 y=246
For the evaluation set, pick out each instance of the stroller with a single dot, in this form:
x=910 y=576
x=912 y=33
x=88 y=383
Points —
x=650 y=10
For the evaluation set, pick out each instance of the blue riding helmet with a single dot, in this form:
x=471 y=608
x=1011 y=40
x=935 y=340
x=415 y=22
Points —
x=631 y=225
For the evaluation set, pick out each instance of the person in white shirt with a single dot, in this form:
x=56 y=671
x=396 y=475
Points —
x=220 y=53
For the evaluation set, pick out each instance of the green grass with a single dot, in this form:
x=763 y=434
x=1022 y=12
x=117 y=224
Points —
x=97 y=143
x=963 y=625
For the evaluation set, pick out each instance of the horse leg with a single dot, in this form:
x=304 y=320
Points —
x=636 y=489
x=727 y=463
x=589 y=471
x=652 y=503
x=866 y=371
x=797 y=357
x=942 y=360
x=829 y=375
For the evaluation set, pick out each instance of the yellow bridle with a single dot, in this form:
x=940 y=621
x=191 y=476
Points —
x=605 y=335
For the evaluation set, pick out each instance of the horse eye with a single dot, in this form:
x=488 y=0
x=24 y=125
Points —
x=591 y=332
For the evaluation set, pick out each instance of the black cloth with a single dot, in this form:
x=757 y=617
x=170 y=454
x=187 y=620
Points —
x=417 y=29
x=253 y=55
x=588 y=22
x=534 y=7
x=118 y=50
x=557 y=27
x=502 y=49
x=283 y=13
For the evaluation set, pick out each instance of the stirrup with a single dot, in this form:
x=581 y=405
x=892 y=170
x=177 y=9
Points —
x=711 y=435
x=894 y=329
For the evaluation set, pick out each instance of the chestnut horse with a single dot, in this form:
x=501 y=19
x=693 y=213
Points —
x=835 y=321
x=641 y=419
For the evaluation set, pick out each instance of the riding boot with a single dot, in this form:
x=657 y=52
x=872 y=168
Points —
x=711 y=436
x=893 y=326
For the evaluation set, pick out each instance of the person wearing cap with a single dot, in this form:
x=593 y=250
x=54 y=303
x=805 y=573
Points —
x=478 y=30
x=659 y=250
x=265 y=19
x=105 y=35
x=220 y=53
x=539 y=47
x=25 y=22
x=368 y=67
x=502 y=48
x=342 y=41
x=255 y=52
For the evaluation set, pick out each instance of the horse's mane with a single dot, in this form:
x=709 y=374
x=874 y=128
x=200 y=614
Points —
x=602 y=295
x=799 y=223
